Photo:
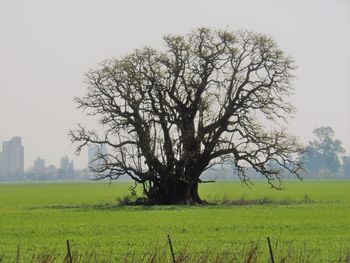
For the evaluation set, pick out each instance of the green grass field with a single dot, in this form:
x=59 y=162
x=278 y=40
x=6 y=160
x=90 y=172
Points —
x=310 y=217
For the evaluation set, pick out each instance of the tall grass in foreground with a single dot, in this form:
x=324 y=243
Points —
x=252 y=253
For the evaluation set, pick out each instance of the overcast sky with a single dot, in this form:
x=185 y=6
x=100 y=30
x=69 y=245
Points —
x=47 y=46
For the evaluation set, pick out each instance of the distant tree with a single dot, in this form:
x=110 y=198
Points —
x=322 y=154
x=312 y=160
x=346 y=166
x=167 y=116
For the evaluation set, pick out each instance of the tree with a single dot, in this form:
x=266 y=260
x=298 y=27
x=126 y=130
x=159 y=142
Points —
x=169 y=115
x=312 y=160
x=346 y=166
x=323 y=152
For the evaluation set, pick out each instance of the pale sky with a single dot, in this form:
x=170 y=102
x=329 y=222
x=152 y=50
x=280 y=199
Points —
x=47 y=46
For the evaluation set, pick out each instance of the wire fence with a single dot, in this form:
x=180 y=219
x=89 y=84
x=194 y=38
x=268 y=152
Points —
x=265 y=250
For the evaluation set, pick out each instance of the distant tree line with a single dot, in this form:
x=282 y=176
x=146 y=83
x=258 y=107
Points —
x=324 y=156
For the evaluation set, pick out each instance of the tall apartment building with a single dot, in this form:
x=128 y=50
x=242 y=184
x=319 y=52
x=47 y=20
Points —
x=12 y=157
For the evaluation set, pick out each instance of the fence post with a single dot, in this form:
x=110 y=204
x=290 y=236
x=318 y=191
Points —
x=69 y=255
x=270 y=249
x=171 y=249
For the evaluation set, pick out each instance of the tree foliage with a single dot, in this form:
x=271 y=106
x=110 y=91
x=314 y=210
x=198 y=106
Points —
x=168 y=115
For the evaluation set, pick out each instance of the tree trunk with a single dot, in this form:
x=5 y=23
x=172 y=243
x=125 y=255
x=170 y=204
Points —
x=175 y=192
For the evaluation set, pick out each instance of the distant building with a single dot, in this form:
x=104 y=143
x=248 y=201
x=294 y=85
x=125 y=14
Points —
x=39 y=165
x=66 y=165
x=1 y=175
x=93 y=155
x=52 y=172
x=66 y=171
x=51 y=168
x=12 y=157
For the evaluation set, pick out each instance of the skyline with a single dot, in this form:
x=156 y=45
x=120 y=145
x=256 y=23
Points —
x=12 y=161
x=12 y=158
x=44 y=57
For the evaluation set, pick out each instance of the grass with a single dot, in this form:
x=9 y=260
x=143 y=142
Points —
x=311 y=218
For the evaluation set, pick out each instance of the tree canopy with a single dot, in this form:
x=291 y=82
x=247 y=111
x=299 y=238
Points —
x=206 y=98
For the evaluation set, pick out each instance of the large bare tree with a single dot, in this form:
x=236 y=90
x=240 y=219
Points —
x=208 y=97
